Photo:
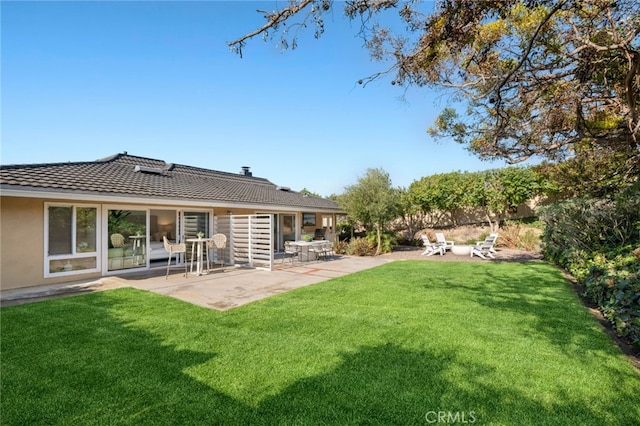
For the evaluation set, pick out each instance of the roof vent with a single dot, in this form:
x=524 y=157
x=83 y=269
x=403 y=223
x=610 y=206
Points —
x=283 y=188
x=245 y=171
x=146 y=169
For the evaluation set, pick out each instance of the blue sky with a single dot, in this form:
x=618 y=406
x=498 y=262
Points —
x=85 y=80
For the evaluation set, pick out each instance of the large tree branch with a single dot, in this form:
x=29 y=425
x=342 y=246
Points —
x=273 y=20
x=630 y=79
x=527 y=51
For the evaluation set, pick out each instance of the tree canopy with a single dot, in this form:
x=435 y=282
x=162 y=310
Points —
x=554 y=79
x=494 y=191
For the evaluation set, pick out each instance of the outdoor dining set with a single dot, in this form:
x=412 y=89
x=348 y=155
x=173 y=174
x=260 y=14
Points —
x=305 y=251
x=482 y=249
x=197 y=259
x=200 y=248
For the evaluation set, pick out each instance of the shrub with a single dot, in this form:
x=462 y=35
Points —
x=515 y=235
x=344 y=230
x=615 y=286
x=341 y=247
x=387 y=241
x=360 y=247
x=596 y=241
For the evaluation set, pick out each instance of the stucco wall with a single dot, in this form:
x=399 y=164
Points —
x=22 y=242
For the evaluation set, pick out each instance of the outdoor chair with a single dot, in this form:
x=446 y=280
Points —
x=431 y=248
x=120 y=253
x=176 y=248
x=290 y=252
x=493 y=249
x=117 y=240
x=219 y=243
x=485 y=248
x=328 y=249
x=320 y=250
x=443 y=242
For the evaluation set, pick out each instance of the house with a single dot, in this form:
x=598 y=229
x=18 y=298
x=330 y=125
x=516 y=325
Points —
x=84 y=220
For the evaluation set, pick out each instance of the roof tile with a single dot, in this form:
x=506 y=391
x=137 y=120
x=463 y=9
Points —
x=116 y=175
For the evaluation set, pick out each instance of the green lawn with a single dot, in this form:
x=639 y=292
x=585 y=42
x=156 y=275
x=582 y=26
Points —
x=404 y=343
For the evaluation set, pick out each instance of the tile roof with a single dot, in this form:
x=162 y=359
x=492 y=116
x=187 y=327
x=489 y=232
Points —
x=118 y=176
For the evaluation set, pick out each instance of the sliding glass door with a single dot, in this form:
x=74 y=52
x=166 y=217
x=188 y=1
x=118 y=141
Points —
x=127 y=239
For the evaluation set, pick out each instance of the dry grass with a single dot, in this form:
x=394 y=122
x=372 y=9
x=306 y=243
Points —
x=512 y=236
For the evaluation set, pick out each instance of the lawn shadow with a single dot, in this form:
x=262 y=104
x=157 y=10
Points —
x=91 y=360
x=390 y=385
x=542 y=292
x=100 y=369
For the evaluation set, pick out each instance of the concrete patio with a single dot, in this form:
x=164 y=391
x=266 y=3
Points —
x=220 y=289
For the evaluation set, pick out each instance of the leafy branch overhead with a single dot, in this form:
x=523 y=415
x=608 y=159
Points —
x=543 y=78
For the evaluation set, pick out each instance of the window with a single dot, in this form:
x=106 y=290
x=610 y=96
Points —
x=127 y=245
x=308 y=219
x=71 y=240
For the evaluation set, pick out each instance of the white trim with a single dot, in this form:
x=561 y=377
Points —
x=47 y=258
x=105 y=246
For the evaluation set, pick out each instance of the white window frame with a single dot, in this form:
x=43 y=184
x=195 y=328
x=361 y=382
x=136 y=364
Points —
x=74 y=254
x=105 y=224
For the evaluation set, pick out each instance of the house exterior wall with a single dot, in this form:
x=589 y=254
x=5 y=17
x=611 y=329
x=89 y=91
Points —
x=22 y=245
x=22 y=238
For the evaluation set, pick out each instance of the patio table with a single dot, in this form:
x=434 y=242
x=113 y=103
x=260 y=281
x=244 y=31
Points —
x=139 y=248
x=198 y=244
x=306 y=244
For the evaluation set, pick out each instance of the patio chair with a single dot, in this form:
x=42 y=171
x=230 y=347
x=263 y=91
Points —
x=176 y=248
x=320 y=250
x=219 y=243
x=117 y=241
x=290 y=251
x=485 y=248
x=431 y=248
x=120 y=253
x=328 y=249
x=493 y=249
x=443 y=241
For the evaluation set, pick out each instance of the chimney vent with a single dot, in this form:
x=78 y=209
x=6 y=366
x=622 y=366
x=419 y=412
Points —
x=245 y=171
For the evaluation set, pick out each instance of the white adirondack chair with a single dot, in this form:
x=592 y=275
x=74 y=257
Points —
x=431 y=248
x=485 y=248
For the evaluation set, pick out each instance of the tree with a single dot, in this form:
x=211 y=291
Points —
x=372 y=201
x=306 y=192
x=501 y=189
x=444 y=192
x=494 y=191
x=538 y=77
x=410 y=213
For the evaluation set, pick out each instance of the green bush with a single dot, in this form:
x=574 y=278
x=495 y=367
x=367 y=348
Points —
x=596 y=241
x=615 y=286
x=344 y=230
x=387 y=241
